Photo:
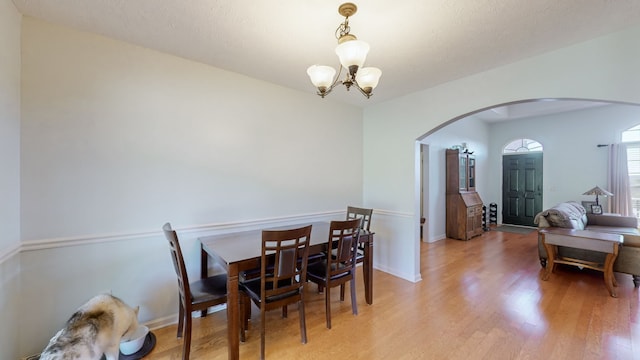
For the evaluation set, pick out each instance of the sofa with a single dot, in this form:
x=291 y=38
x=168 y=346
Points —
x=573 y=215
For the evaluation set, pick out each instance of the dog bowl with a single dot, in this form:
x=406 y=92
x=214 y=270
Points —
x=135 y=342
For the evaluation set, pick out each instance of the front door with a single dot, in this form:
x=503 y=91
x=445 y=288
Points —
x=521 y=188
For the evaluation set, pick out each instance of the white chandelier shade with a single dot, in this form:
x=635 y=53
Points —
x=321 y=75
x=368 y=77
x=352 y=52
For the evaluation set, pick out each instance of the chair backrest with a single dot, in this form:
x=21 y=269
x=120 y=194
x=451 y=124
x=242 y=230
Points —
x=360 y=213
x=178 y=265
x=343 y=238
x=284 y=257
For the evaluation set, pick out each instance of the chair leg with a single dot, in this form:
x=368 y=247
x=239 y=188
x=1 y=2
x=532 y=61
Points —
x=247 y=311
x=262 y=332
x=303 y=323
x=327 y=305
x=342 y=292
x=285 y=311
x=243 y=318
x=354 y=304
x=186 y=347
x=180 y=319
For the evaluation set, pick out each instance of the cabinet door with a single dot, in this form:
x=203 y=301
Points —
x=474 y=221
x=471 y=175
x=471 y=219
x=477 y=223
x=462 y=176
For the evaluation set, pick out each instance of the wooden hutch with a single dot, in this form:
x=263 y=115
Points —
x=464 y=206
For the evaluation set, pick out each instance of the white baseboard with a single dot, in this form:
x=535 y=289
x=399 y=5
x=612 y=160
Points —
x=173 y=319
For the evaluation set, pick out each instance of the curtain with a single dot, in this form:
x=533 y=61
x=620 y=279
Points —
x=618 y=181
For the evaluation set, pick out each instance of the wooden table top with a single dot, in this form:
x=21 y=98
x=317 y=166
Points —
x=589 y=234
x=243 y=245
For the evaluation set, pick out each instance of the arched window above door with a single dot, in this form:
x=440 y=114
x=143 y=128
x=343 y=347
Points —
x=522 y=145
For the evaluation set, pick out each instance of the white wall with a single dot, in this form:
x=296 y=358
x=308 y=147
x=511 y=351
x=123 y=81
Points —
x=603 y=69
x=572 y=162
x=117 y=140
x=10 y=295
x=102 y=119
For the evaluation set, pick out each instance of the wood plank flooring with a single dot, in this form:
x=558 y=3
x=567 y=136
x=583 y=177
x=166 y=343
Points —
x=479 y=299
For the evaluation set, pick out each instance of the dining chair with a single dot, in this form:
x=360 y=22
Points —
x=283 y=273
x=364 y=214
x=193 y=296
x=360 y=213
x=340 y=267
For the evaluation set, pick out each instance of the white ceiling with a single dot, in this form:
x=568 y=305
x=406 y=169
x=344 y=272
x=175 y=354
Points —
x=534 y=108
x=416 y=43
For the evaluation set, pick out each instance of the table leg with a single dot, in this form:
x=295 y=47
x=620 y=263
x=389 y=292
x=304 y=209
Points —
x=204 y=263
x=233 y=312
x=616 y=248
x=551 y=257
x=609 y=279
x=204 y=270
x=608 y=274
x=367 y=270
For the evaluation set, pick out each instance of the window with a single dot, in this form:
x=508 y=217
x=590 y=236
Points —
x=631 y=138
x=522 y=145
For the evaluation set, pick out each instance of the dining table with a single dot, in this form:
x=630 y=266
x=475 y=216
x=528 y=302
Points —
x=241 y=251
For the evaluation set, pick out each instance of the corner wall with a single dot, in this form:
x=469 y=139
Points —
x=604 y=68
x=118 y=139
x=476 y=134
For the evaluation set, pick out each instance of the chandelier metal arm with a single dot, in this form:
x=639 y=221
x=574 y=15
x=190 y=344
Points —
x=335 y=82
x=348 y=82
x=367 y=94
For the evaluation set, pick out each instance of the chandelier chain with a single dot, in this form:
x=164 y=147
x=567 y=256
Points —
x=343 y=29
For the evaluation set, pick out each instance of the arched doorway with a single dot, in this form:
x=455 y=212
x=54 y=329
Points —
x=569 y=135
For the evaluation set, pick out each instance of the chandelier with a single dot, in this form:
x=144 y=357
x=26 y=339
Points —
x=352 y=54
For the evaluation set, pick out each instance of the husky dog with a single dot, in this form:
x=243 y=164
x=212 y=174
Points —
x=96 y=328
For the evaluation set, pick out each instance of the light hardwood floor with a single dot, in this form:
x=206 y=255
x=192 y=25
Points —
x=479 y=299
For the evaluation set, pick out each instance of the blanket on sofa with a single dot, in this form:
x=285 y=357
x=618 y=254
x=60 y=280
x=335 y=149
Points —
x=570 y=214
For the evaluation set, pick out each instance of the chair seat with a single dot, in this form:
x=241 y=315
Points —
x=359 y=254
x=255 y=273
x=316 y=257
x=252 y=288
x=318 y=271
x=209 y=289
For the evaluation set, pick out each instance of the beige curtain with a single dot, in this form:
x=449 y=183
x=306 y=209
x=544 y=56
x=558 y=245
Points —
x=618 y=181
